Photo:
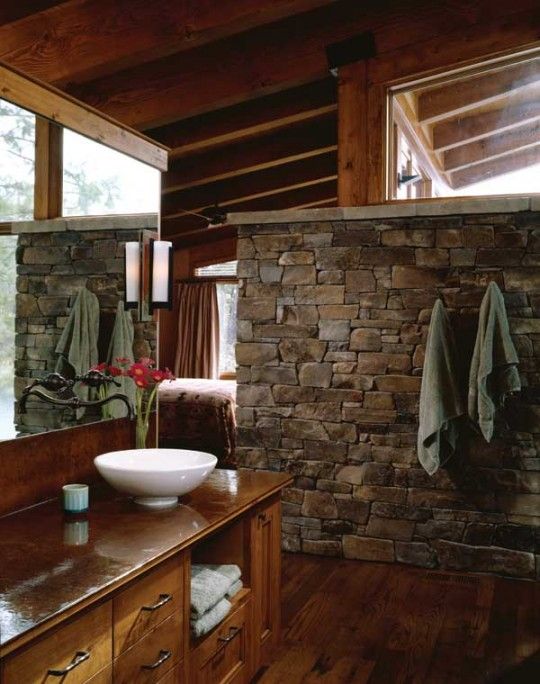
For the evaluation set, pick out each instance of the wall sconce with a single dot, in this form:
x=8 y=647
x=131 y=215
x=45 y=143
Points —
x=161 y=274
x=132 y=274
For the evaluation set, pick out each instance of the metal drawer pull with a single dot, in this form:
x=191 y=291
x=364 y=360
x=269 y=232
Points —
x=233 y=631
x=262 y=517
x=163 y=656
x=79 y=658
x=163 y=599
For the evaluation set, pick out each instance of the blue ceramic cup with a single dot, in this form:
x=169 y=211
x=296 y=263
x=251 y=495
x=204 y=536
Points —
x=75 y=498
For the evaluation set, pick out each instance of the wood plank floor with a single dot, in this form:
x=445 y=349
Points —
x=353 y=621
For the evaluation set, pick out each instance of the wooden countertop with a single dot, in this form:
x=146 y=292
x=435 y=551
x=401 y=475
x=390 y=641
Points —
x=43 y=578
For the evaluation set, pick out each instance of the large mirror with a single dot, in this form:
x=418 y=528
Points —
x=63 y=232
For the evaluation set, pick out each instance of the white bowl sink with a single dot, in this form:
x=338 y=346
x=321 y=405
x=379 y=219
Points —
x=155 y=477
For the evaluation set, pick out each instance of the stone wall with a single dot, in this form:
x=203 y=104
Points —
x=333 y=318
x=51 y=268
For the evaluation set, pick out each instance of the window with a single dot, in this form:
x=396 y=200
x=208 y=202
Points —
x=227 y=295
x=17 y=142
x=98 y=180
x=476 y=132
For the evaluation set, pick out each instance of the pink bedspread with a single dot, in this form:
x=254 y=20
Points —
x=199 y=414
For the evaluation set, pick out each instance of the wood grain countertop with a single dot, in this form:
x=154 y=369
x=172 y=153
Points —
x=42 y=576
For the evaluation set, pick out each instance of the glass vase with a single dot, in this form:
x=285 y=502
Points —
x=141 y=432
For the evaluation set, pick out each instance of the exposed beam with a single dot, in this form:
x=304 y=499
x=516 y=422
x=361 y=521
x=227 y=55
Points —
x=86 y=39
x=48 y=185
x=492 y=147
x=205 y=236
x=249 y=119
x=268 y=59
x=291 y=199
x=295 y=143
x=12 y=11
x=461 y=95
x=50 y=103
x=448 y=134
x=495 y=167
x=250 y=186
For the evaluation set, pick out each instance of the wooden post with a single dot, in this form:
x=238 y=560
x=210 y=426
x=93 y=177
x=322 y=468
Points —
x=352 y=135
x=361 y=138
x=48 y=170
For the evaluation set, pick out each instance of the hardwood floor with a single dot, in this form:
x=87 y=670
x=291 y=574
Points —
x=353 y=621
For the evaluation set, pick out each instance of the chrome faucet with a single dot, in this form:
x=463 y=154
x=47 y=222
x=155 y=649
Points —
x=66 y=397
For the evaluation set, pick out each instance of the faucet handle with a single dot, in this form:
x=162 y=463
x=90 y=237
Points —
x=95 y=378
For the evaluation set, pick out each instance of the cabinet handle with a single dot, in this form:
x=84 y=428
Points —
x=163 y=656
x=233 y=631
x=163 y=599
x=262 y=517
x=79 y=658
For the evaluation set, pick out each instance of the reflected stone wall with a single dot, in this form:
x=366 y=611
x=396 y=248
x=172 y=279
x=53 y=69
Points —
x=52 y=267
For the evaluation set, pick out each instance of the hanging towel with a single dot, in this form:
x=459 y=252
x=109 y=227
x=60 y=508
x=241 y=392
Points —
x=493 y=373
x=209 y=584
x=78 y=344
x=441 y=403
x=121 y=347
x=211 y=618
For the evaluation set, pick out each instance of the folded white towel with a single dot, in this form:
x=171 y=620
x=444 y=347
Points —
x=235 y=588
x=205 y=623
x=209 y=584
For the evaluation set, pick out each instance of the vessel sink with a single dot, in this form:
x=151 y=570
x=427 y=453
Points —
x=155 y=477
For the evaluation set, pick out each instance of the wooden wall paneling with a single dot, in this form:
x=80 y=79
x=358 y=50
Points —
x=48 y=185
x=378 y=140
x=50 y=103
x=34 y=469
x=352 y=135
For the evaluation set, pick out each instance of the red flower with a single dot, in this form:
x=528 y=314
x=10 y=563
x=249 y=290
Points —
x=137 y=370
x=147 y=362
x=115 y=371
x=123 y=361
x=141 y=382
x=157 y=375
x=101 y=367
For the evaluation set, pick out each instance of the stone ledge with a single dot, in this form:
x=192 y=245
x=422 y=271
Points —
x=447 y=207
x=78 y=223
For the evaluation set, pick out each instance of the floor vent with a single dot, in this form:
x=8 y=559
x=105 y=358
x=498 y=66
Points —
x=453 y=579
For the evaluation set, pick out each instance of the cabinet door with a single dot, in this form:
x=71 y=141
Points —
x=266 y=579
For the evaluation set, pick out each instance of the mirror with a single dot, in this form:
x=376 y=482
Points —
x=94 y=199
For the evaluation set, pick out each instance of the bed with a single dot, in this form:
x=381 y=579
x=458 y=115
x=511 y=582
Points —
x=199 y=414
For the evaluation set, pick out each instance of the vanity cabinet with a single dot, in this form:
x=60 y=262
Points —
x=266 y=578
x=136 y=630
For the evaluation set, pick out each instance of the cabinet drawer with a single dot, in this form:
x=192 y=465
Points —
x=146 y=603
x=174 y=676
x=223 y=656
x=86 y=640
x=150 y=658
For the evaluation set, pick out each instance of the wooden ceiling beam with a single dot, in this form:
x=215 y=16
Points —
x=294 y=143
x=13 y=11
x=461 y=95
x=313 y=195
x=85 y=39
x=250 y=186
x=269 y=59
x=448 y=134
x=492 y=147
x=248 y=119
x=496 y=167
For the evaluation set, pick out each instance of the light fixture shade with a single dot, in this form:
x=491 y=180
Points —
x=161 y=274
x=132 y=274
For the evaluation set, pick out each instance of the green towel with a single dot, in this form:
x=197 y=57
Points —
x=121 y=347
x=209 y=584
x=441 y=404
x=78 y=344
x=210 y=619
x=493 y=373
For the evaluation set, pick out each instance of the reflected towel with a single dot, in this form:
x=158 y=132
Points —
x=493 y=374
x=209 y=584
x=441 y=404
x=210 y=619
x=78 y=344
x=121 y=347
